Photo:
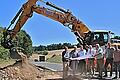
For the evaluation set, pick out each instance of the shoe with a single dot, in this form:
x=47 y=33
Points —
x=119 y=74
x=110 y=74
x=105 y=76
x=115 y=77
x=100 y=77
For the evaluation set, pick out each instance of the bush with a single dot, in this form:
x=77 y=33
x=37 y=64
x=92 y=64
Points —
x=43 y=52
x=4 y=53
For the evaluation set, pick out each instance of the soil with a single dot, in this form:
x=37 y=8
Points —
x=23 y=70
x=20 y=70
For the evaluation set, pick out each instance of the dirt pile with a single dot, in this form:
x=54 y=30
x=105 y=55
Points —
x=21 y=70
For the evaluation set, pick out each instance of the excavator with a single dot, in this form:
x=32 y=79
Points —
x=83 y=34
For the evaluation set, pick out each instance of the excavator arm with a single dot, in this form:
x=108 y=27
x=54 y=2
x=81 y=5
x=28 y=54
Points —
x=60 y=15
x=22 y=16
x=66 y=18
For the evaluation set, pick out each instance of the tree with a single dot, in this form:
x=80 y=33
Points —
x=4 y=53
x=22 y=39
x=68 y=45
x=52 y=47
x=117 y=37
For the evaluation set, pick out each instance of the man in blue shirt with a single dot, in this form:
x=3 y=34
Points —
x=82 y=63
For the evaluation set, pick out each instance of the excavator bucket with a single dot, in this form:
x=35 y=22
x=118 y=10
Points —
x=16 y=53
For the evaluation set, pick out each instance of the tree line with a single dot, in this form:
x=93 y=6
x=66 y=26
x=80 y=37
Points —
x=52 y=47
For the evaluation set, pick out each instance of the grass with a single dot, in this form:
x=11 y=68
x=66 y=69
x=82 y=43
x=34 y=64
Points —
x=55 y=59
x=4 y=63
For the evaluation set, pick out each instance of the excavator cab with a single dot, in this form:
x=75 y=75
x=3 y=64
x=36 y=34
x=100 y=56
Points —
x=101 y=37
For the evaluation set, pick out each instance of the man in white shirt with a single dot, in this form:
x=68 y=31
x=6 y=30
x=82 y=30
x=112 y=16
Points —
x=100 y=60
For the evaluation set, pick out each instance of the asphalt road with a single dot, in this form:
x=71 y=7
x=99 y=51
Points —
x=50 y=66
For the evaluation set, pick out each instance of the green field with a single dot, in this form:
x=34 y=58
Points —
x=55 y=59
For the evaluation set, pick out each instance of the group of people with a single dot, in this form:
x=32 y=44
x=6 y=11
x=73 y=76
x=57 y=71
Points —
x=98 y=58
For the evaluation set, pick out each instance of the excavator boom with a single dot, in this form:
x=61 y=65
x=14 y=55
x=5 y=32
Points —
x=60 y=15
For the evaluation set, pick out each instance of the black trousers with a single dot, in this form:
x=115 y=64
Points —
x=106 y=65
x=117 y=68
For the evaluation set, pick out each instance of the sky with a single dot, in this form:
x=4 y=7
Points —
x=96 y=14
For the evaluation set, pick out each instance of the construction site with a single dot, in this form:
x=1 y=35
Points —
x=66 y=62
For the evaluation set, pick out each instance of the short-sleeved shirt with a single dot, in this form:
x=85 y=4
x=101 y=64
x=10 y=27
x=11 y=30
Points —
x=81 y=53
x=73 y=54
x=63 y=55
x=91 y=52
x=109 y=53
x=99 y=53
x=67 y=55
